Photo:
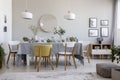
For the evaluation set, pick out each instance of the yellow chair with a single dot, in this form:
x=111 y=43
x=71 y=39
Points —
x=42 y=51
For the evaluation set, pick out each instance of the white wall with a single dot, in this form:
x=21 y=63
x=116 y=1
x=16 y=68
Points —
x=117 y=27
x=5 y=9
x=84 y=9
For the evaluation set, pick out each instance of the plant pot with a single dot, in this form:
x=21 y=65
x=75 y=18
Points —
x=116 y=74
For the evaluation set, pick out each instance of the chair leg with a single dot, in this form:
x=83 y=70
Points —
x=57 y=60
x=65 y=63
x=8 y=58
x=14 y=60
x=52 y=57
x=51 y=64
x=45 y=61
x=66 y=60
x=88 y=57
x=35 y=62
x=74 y=61
x=69 y=58
x=56 y=56
x=39 y=64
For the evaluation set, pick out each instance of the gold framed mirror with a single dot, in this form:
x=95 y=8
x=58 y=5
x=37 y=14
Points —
x=48 y=22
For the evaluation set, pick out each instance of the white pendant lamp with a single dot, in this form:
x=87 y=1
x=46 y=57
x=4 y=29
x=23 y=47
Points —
x=70 y=16
x=26 y=14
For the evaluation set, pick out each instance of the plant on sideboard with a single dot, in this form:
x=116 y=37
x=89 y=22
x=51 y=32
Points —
x=2 y=53
x=115 y=53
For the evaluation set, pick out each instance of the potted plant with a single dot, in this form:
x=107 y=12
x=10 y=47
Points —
x=116 y=57
x=115 y=53
x=2 y=53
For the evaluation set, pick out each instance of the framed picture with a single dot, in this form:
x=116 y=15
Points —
x=5 y=29
x=104 y=22
x=92 y=22
x=104 y=31
x=5 y=19
x=93 y=33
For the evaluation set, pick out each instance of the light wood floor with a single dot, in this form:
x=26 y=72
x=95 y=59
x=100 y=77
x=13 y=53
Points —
x=87 y=67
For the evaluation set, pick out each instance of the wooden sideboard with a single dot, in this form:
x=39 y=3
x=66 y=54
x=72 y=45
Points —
x=100 y=50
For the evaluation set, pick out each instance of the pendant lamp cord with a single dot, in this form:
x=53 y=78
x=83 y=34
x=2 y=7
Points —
x=26 y=5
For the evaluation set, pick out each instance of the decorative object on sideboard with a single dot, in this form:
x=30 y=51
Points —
x=26 y=14
x=93 y=33
x=104 y=22
x=92 y=22
x=48 y=22
x=99 y=40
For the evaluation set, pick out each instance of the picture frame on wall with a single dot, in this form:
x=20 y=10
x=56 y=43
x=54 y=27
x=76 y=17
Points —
x=93 y=33
x=104 y=22
x=92 y=22
x=104 y=31
x=5 y=19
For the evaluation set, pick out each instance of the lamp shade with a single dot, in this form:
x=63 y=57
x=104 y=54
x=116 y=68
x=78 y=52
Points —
x=70 y=16
x=27 y=15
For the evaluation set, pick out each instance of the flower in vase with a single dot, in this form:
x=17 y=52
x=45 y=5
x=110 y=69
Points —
x=60 y=31
x=34 y=29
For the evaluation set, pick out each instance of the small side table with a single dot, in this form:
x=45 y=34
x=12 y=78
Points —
x=116 y=74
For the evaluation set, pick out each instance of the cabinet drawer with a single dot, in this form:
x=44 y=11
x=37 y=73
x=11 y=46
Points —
x=106 y=51
x=96 y=51
x=102 y=52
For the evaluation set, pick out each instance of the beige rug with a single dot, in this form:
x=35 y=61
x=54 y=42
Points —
x=61 y=75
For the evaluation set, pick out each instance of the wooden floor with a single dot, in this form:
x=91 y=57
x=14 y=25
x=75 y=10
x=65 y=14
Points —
x=87 y=67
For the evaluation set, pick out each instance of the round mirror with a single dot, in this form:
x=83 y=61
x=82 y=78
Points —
x=47 y=23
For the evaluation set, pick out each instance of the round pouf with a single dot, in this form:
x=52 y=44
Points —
x=104 y=69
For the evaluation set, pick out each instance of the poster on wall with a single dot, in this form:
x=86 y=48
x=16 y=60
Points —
x=92 y=22
x=104 y=31
x=104 y=22
x=5 y=24
x=93 y=32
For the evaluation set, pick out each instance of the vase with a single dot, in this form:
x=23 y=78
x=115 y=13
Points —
x=60 y=38
x=99 y=40
x=35 y=37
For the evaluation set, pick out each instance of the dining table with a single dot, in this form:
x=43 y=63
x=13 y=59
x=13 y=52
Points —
x=28 y=49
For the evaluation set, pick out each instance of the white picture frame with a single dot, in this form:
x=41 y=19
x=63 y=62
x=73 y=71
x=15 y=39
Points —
x=93 y=33
x=104 y=31
x=104 y=22
x=92 y=22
